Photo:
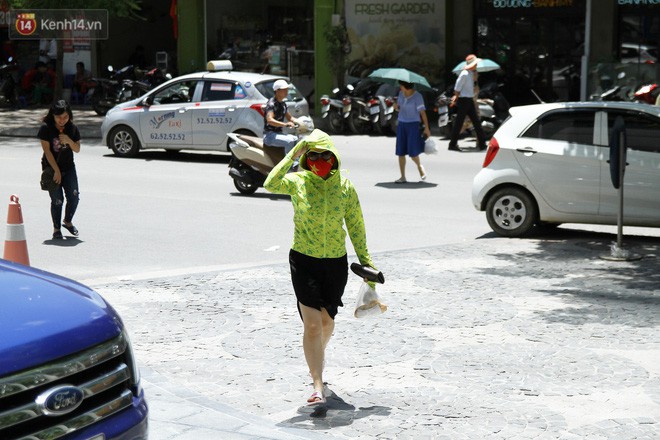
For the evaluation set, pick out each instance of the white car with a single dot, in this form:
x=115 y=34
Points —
x=549 y=164
x=196 y=111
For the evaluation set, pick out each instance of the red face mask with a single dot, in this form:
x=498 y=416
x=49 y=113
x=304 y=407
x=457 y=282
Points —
x=320 y=166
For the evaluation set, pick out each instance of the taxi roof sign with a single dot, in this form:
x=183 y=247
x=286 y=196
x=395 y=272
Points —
x=219 y=65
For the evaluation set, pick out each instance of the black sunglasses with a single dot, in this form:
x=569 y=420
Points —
x=314 y=156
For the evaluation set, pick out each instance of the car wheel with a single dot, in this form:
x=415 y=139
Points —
x=245 y=188
x=511 y=212
x=124 y=141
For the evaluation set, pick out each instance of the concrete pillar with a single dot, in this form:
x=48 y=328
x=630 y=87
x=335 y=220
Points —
x=323 y=11
x=191 y=44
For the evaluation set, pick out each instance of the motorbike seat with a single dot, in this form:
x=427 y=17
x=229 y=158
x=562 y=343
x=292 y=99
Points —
x=276 y=154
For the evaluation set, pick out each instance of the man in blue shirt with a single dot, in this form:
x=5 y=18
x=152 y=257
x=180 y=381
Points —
x=464 y=100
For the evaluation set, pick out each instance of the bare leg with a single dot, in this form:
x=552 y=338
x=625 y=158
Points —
x=402 y=166
x=318 y=330
x=420 y=168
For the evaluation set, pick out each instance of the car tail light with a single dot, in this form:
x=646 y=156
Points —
x=259 y=108
x=493 y=148
x=346 y=101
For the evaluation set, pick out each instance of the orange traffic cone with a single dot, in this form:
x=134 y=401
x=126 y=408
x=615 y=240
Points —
x=15 y=244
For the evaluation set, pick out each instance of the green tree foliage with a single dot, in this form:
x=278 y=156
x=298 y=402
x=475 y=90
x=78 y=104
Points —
x=115 y=8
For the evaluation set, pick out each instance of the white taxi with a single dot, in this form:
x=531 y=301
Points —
x=196 y=111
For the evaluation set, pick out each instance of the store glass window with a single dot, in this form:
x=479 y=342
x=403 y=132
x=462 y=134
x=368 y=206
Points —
x=538 y=44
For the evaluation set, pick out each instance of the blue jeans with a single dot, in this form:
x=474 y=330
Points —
x=69 y=187
x=273 y=139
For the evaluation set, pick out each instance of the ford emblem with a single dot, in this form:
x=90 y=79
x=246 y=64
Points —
x=60 y=400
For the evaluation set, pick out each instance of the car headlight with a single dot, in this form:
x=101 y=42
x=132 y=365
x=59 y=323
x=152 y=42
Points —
x=132 y=364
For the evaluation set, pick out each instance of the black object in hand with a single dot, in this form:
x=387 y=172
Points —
x=368 y=272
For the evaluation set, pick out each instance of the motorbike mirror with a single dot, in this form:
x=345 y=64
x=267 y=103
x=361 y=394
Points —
x=621 y=75
x=350 y=87
x=10 y=59
x=110 y=68
x=335 y=90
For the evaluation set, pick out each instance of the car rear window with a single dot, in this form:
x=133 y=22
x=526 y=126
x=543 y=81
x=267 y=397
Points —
x=574 y=127
x=642 y=131
x=266 y=89
x=219 y=91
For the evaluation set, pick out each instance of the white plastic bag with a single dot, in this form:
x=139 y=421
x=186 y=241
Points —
x=429 y=146
x=368 y=302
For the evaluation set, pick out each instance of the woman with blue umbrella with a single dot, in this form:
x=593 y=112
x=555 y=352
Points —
x=412 y=112
x=409 y=140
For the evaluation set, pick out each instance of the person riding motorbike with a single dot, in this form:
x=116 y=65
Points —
x=276 y=117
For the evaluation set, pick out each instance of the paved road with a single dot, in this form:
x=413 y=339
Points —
x=498 y=339
x=491 y=338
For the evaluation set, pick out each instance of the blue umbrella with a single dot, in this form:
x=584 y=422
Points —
x=392 y=75
x=484 y=65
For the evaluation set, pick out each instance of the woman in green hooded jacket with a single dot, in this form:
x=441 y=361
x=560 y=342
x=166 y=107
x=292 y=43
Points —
x=323 y=202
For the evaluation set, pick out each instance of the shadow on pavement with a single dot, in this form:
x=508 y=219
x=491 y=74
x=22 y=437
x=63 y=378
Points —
x=263 y=195
x=176 y=156
x=407 y=185
x=336 y=412
x=63 y=242
x=599 y=291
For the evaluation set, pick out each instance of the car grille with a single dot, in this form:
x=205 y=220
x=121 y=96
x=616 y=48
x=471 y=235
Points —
x=103 y=375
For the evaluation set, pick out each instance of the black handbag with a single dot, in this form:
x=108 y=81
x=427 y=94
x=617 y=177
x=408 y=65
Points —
x=47 y=182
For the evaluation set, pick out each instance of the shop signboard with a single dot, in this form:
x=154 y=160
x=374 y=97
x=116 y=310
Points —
x=389 y=33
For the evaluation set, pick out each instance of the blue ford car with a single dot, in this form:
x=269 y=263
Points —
x=67 y=369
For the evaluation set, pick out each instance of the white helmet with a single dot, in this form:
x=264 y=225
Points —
x=280 y=84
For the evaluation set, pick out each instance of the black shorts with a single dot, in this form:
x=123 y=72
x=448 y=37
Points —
x=319 y=282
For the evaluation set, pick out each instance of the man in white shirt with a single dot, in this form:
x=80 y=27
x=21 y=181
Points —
x=464 y=100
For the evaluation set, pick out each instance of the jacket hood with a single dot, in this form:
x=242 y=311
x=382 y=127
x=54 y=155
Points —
x=318 y=141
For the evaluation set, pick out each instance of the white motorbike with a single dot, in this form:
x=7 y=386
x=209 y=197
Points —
x=337 y=108
x=251 y=160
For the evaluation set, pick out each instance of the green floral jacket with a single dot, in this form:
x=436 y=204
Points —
x=321 y=206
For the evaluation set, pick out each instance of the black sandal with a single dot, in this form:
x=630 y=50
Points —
x=72 y=229
x=57 y=235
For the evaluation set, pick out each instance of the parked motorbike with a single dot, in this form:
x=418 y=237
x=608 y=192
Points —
x=618 y=92
x=109 y=92
x=382 y=114
x=337 y=107
x=359 y=119
x=647 y=94
x=8 y=83
x=147 y=80
x=251 y=160
x=497 y=109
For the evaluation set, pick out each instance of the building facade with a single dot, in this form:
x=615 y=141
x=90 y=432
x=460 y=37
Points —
x=550 y=49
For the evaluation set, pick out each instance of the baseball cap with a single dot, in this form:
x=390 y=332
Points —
x=280 y=84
